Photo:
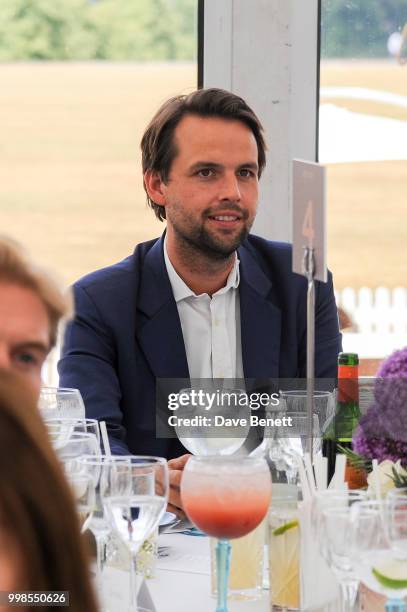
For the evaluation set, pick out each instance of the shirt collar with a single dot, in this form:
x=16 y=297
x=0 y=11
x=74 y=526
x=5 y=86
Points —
x=181 y=290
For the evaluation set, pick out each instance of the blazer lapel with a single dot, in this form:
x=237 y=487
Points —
x=158 y=327
x=260 y=320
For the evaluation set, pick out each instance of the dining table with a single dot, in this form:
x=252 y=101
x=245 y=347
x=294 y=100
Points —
x=181 y=580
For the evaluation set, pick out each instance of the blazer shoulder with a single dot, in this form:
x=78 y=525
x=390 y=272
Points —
x=279 y=253
x=117 y=275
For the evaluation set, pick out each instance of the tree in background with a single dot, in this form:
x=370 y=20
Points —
x=166 y=29
x=360 y=28
x=98 y=29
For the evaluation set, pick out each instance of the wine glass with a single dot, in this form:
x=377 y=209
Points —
x=324 y=404
x=60 y=402
x=60 y=429
x=78 y=444
x=340 y=501
x=337 y=546
x=378 y=562
x=226 y=498
x=395 y=516
x=103 y=470
x=332 y=498
x=294 y=436
x=83 y=490
x=214 y=422
x=138 y=498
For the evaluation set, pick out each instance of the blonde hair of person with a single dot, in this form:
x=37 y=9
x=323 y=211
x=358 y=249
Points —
x=17 y=268
x=37 y=509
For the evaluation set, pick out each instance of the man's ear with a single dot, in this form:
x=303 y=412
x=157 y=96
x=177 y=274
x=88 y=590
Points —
x=155 y=187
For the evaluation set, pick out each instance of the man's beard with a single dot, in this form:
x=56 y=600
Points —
x=212 y=247
x=215 y=247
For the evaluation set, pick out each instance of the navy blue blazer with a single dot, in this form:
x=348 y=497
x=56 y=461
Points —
x=127 y=332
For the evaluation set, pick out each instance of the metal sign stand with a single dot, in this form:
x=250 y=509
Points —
x=309 y=269
x=309 y=258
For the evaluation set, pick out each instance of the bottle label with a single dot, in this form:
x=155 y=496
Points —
x=348 y=371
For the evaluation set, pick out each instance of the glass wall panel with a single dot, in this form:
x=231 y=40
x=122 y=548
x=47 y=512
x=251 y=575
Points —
x=363 y=140
x=78 y=89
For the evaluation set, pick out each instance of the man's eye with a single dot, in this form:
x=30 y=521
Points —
x=206 y=172
x=246 y=173
x=26 y=359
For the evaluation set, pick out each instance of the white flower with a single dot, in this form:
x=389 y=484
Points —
x=385 y=476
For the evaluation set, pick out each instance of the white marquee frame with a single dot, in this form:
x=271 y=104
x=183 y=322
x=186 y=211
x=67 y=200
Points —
x=267 y=51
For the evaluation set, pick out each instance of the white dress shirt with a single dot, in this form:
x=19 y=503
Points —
x=210 y=326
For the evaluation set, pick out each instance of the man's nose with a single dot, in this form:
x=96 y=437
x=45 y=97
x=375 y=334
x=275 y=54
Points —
x=229 y=188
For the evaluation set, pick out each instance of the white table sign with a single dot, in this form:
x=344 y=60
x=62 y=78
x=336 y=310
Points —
x=309 y=216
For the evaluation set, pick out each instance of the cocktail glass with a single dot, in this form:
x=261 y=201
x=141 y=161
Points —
x=226 y=498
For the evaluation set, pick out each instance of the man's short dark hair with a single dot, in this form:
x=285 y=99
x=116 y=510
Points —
x=158 y=147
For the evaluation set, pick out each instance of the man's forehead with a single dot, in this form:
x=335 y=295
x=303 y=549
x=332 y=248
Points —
x=195 y=133
x=23 y=314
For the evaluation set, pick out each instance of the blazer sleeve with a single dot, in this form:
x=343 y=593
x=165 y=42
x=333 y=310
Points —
x=328 y=340
x=88 y=363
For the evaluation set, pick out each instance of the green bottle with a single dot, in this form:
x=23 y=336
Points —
x=347 y=409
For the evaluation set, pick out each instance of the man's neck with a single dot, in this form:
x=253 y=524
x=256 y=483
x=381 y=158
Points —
x=201 y=273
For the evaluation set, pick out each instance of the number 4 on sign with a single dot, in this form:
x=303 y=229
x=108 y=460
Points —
x=308 y=230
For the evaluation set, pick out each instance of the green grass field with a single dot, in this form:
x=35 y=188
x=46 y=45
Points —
x=70 y=179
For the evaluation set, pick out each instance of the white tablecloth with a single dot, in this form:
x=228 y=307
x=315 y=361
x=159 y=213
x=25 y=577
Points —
x=182 y=583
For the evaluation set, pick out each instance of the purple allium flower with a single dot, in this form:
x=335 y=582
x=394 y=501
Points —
x=382 y=431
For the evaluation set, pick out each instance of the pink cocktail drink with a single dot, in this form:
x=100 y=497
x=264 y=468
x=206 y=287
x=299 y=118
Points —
x=226 y=497
x=231 y=516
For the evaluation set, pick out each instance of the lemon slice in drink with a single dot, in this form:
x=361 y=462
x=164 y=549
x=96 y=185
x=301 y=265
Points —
x=392 y=575
x=283 y=528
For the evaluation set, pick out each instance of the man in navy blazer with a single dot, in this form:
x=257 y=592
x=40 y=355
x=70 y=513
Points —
x=202 y=158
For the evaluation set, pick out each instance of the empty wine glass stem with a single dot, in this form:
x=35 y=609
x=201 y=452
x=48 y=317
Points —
x=349 y=592
x=133 y=583
x=223 y=549
x=100 y=557
x=395 y=605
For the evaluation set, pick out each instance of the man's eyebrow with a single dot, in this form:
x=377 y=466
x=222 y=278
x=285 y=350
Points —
x=210 y=164
x=36 y=345
x=250 y=165
x=205 y=164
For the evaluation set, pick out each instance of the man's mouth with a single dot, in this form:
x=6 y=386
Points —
x=225 y=217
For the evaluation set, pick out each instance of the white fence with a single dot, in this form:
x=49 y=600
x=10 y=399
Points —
x=379 y=317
